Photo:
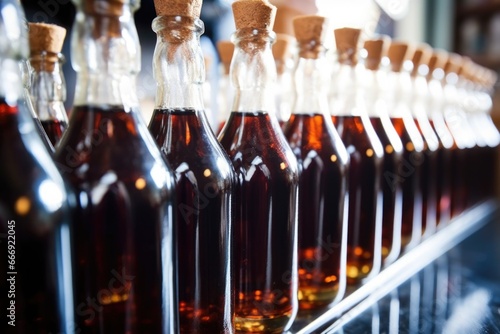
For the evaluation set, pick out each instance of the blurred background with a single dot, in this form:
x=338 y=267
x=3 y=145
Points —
x=468 y=27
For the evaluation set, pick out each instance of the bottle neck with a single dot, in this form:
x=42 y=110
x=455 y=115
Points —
x=344 y=100
x=48 y=87
x=178 y=63
x=310 y=79
x=106 y=56
x=253 y=71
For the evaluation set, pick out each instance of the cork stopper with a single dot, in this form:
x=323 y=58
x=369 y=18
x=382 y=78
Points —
x=226 y=50
x=422 y=55
x=398 y=53
x=254 y=14
x=187 y=8
x=437 y=60
x=347 y=40
x=453 y=64
x=282 y=51
x=375 y=50
x=47 y=38
x=309 y=32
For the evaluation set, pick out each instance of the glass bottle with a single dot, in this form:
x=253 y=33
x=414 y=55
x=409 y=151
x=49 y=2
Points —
x=399 y=85
x=35 y=229
x=448 y=169
x=372 y=88
x=282 y=49
x=124 y=232
x=366 y=159
x=463 y=135
x=430 y=164
x=48 y=87
x=204 y=174
x=323 y=172
x=226 y=91
x=265 y=229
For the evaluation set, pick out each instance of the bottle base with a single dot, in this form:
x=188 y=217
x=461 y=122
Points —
x=313 y=297
x=259 y=324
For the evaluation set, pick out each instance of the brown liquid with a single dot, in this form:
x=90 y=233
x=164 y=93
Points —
x=265 y=258
x=323 y=167
x=33 y=218
x=364 y=195
x=391 y=187
x=410 y=174
x=444 y=172
x=428 y=180
x=204 y=189
x=54 y=130
x=122 y=224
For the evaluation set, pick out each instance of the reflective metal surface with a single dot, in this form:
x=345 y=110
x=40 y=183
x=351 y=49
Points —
x=448 y=284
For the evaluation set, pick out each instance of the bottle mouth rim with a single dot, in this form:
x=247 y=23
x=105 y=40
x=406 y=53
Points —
x=177 y=22
x=244 y=34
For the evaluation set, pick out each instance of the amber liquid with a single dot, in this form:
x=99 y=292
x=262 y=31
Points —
x=428 y=184
x=54 y=130
x=122 y=224
x=364 y=185
x=265 y=258
x=33 y=216
x=204 y=187
x=410 y=175
x=391 y=187
x=444 y=172
x=323 y=170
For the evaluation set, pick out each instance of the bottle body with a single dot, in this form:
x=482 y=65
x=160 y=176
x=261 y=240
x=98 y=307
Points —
x=204 y=198
x=123 y=221
x=391 y=187
x=323 y=199
x=265 y=229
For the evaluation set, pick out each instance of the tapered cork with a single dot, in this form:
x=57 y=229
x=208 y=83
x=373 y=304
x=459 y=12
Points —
x=282 y=51
x=453 y=64
x=375 y=50
x=226 y=51
x=422 y=55
x=398 y=53
x=188 y=8
x=492 y=78
x=46 y=37
x=254 y=14
x=46 y=42
x=347 y=40
x=309 y=31
x=437 y=60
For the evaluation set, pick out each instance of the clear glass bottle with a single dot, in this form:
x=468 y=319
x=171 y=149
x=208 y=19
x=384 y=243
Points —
x=430 y=165
x=323 y=165
x=455 y=119
x=204 y=174
x=265 y=229
x=35 y=226
x=448 y=171
x=48 y=87
x=399 y=85
x=366 y=158
x=124 y=233
x=373 y=90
